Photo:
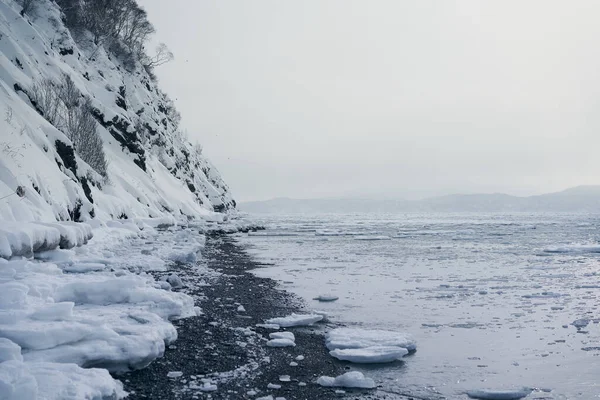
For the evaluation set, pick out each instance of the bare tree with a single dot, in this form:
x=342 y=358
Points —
x=163 y=55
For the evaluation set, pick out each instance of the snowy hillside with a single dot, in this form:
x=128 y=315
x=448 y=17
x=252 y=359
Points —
x=92 y=163
x=153 y=171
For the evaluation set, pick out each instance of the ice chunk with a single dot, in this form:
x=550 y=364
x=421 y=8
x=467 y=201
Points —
x=268 y=326
x=295 y=320
x=375 y=354
x=282 y=335
x=9 y=350
x=498 y=394
x=174 y=374
x=354 y=338
x=574 y=248
x=241 y=309
x=371 y=237
x=352 y=379
x=273 y=386
x=281 y=343
x=326 y=297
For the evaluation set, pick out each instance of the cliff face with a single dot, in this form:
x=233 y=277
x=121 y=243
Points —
x=152 y=169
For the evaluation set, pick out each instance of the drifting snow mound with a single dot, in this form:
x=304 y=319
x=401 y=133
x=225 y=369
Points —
x=353 y=379
x=295 y=320
x=498 y=394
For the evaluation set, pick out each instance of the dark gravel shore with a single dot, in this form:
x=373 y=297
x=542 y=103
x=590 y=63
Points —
x=237 y=360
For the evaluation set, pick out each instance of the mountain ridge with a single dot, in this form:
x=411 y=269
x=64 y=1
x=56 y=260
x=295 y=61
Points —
x=579 y=198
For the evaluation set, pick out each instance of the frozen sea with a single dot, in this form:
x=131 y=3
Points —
x=495 y=301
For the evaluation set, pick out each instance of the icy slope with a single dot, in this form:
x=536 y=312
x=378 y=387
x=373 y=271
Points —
x=153 y=171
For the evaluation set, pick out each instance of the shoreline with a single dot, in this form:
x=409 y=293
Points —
x=224 y=348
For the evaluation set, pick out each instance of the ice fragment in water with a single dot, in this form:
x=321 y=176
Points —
x=353 y=379
x=326 y=297
x=375 y=354
x=498 y=394
x=295 y=320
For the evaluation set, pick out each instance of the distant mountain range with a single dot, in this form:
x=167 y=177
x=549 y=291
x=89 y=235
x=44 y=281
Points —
x=576 y=199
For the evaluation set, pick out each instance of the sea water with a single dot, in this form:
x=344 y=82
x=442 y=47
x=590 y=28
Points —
x=495 y=301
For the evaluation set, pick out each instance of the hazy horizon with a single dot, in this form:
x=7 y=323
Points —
x=391 y=98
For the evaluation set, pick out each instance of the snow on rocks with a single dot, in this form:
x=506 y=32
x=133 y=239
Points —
x=352 y=379
x=499 y=394
x=295 y=320
x=368 y=346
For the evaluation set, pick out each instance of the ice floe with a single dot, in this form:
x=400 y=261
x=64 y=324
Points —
x=374 y=354
x=499 y=394
x=326 y=297
x=352 y=379
x=295 y=320
x=355 y=338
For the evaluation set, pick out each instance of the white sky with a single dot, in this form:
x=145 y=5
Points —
x=317 y=98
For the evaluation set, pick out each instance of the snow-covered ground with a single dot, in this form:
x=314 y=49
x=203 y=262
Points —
x=90 y=306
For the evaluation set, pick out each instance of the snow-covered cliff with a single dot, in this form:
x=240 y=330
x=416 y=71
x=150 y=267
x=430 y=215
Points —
x=153 y=171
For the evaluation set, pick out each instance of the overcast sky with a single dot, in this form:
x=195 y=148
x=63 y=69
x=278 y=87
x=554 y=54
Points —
x=324 y=98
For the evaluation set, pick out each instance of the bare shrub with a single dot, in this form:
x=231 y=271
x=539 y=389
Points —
x=45 y=93
x=82 y=132
x=63 y=105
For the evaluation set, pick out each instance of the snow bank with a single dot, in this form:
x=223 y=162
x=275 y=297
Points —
x=352 y=379
x=295 y=320
x=22 y=239
x=499 y=394
x=92 y=306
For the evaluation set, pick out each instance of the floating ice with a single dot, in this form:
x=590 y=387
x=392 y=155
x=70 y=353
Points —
x=281 y=343
x=354 y=338
x=268 y=326
x=295 y=320
x=241 y=309
x=282 y=335
x=375 y=354
x=498 y=394
x=353 y=379
x=369 y=237
x=326 y=297
x=574 y=248
x=174 y=374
